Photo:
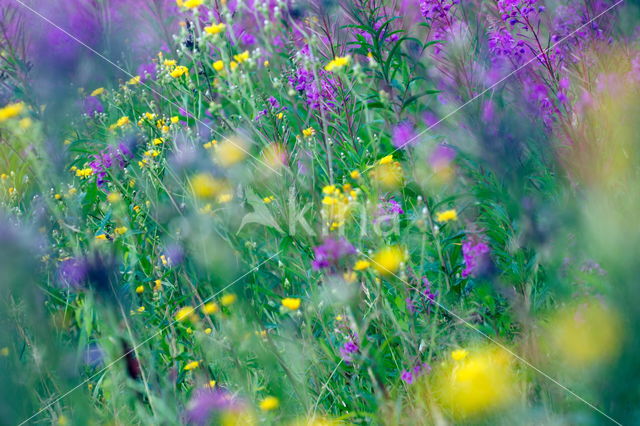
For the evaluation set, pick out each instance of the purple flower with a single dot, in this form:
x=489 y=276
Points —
x=347 y=350
x=147 y=71
x=409 y=376
x=320 y=93
x=330 y=252
x=387 y=210
x=441 y=157
x=112 y=155
x=403 y=134
x=72 y=272
x=207 y=402
x=476 y=256
x=92 y=105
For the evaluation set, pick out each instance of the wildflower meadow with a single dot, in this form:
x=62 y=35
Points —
x=319 y=212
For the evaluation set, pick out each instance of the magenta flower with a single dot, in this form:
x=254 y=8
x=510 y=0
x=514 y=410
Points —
x=403 y=135
x=330 y=252
x=476 y=257
x=347 y=351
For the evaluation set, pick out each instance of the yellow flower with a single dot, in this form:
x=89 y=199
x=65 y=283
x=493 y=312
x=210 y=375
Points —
x=84 y=173
x=10 y=111
x=218 y=66
x=225 y=198
x=169 y=62
x=184 y=313
x=386 y=160
x=291 y=303
x=179 y=71
x=477 y=384
x=120 y=230
x=337 y=62
x=134 y=80
x=388 y=174
x=265 y=63
x=349 y=277
x=269 y=403
x=361 y=265
x=101 y=237
x=122 y=121
x=459 y=354
x=387 y=260
x=114 y=197
x=152 y=153
x=309 y=132
x=141 y=309
x=233 y=65
x=157 y=285
x=230 y=151
x=215 y=28
x=140 y=289
x=280 y=115
x=355 y=174
x=207 y=330
x=97 y=92
x=192 y=4
x=228 y=299
x=192 y=365
x=174 y=119
x=4 y=351
x=57 y=197
x=446 y=216
x=210 y=308
x=585 y=334
x=206 y=186
x=158 y=141
x=241 y=57
x=269 y=199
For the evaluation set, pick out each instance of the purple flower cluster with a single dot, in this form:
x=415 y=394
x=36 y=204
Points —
x=387 y=210
x=540 y=97
x=330 y=252
x=439 y=14
x=272 y=105
x=403 y=134
x=206 y=402
x=437 y=10
x=426 y=296
x=476 y=256
x=319 y=93
x=119 y=155
x=410 y=376
x=503 y=44
x=72 y=272
x=92 y=106
x=518 y=11
x=348 y=350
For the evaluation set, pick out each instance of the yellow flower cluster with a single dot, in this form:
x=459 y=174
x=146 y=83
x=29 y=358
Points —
x=337 y=62
x=387 y=260
x=337 y=204
x=214 y=28
x=476 y=383
x=447 y=216
x=291 y=303
x=179 y=71
x=387 y=174
x=122 y=121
